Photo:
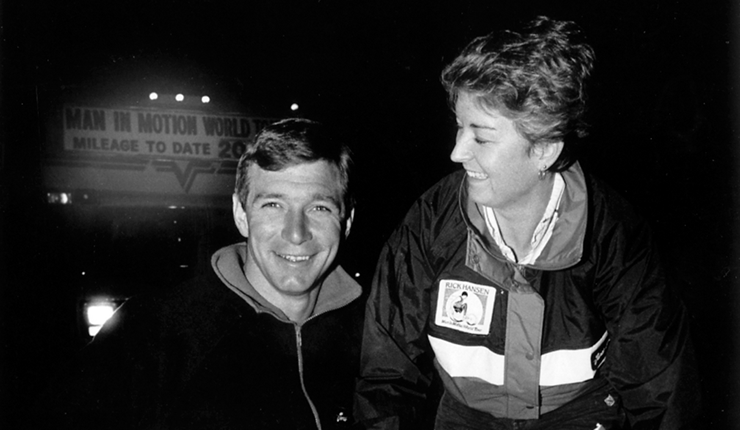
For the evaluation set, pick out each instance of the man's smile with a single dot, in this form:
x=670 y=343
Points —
x=293 y=258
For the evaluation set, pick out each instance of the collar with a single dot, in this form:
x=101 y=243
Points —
x=542 y=232
x=337 y=290
x=561 y=246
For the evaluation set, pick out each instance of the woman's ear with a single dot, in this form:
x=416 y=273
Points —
x=240 y=216
x=548 y=153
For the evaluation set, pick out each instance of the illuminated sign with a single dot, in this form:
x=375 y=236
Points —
x=148 y=152
x=158 y=133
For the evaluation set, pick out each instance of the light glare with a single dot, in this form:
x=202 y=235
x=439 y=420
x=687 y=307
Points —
x=205 y=99
x=98 y=314
x=153 y=96
x=59 y=198
x=294 y=107
x=179 y=97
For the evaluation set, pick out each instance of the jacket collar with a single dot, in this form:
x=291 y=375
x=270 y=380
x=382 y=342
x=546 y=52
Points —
x=565 y=247
x=337 y=290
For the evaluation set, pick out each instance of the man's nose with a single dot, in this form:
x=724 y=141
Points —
x=461 y=152
x=296 y=229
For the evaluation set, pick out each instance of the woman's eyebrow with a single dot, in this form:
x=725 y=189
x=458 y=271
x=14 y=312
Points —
x=482 y=126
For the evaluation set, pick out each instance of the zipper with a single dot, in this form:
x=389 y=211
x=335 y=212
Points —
x=299 y=344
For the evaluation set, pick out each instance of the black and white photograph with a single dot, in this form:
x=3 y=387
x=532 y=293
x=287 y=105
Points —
x=370 y=215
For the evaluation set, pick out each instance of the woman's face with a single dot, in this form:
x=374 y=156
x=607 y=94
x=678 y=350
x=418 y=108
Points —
x=502 y=173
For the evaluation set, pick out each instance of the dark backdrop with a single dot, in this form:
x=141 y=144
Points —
x=663 y=114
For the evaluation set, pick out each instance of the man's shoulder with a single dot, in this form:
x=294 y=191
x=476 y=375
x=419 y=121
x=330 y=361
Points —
x=200 y=301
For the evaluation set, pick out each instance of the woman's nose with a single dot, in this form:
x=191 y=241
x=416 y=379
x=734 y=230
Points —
x=461 y=152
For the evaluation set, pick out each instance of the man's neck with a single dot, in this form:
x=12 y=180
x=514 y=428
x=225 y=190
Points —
x=298 y=309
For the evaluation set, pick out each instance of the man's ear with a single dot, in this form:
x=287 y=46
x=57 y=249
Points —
x=240 y=216
x=548 y=153
x=348 y=222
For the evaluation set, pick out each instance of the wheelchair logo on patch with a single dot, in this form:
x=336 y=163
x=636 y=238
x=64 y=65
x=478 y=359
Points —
x=465 y=307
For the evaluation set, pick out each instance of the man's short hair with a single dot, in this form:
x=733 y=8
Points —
x=291 y=142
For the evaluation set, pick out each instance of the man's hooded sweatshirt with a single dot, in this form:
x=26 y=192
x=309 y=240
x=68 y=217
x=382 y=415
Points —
x=213 y=353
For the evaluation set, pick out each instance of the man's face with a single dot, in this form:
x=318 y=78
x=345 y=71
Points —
x=293 y=219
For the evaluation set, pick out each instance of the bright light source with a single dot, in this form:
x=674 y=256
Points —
x=153 y=96
x=99 y=310
x=179 y=97
x=59 y=198
x=99 y=313
x=205 y=99
x=357 y=275
x=294 y=107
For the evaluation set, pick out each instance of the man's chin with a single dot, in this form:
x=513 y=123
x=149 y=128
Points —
x=298 y=287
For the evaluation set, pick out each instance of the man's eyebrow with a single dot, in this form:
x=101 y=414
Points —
x=268 y=196
x=323 y=197
x=327 y=197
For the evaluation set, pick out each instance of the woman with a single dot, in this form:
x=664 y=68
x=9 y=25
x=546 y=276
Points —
x=572 y=323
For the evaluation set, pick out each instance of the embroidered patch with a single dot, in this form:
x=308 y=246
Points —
x=465 y=306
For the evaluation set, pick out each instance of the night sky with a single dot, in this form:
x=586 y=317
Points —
x=662 y=113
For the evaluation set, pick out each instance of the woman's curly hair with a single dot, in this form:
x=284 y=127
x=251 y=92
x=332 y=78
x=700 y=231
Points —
x=535 y=77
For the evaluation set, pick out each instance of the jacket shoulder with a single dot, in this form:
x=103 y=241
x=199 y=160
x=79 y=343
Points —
x=444 y=191
x=437 y=204
x=609 y=208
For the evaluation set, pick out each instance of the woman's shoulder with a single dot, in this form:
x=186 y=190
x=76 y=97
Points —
x=603 y=196
x=436 y=210
x=611 y=212
x=445 y=190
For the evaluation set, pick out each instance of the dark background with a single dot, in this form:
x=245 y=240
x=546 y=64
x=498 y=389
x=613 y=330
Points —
x=663 y=110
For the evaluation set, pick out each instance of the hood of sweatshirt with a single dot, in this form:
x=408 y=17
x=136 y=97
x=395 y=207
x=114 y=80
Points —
x=338 y=289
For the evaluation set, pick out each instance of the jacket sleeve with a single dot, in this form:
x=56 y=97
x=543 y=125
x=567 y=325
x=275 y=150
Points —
x=650 y=359
x=396 y=365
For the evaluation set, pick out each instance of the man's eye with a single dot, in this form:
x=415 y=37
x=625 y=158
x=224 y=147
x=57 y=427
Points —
x=271 y=205
x=321 y=208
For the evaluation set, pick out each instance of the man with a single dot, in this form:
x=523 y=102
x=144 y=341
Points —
x=268 y=339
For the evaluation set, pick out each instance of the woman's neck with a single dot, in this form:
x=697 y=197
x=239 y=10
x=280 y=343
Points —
x=517 y=223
